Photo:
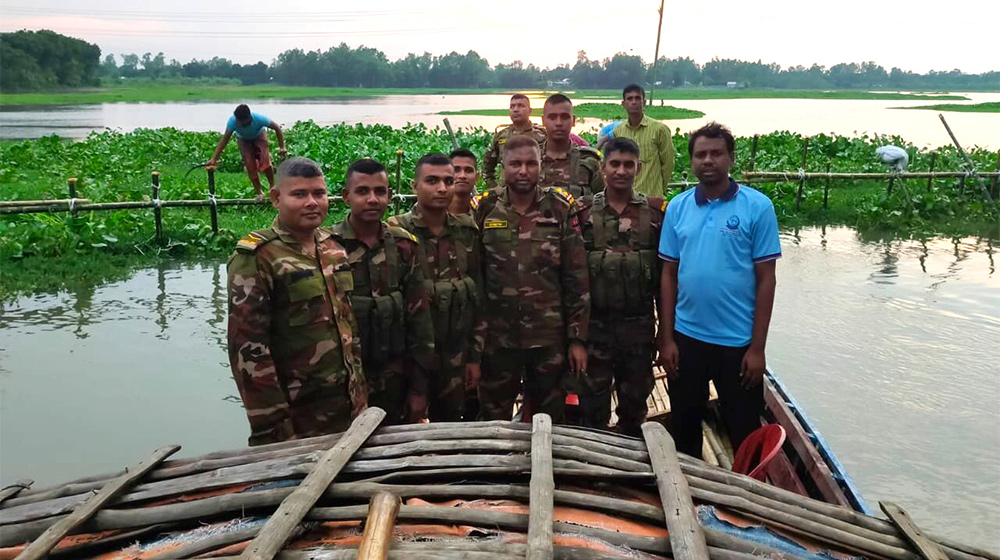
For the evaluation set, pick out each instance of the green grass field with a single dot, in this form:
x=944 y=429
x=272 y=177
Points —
x=991 y=107
x=607 y=111
x=153 y=92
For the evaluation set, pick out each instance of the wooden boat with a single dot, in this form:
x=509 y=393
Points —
x=494 y=490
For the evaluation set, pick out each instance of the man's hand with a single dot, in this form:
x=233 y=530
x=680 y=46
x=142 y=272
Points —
x=752 y=368
x=211 y=163
x=472 y=374
x=577 y=358
x=668 y=355
x=282 y=152
x=417 y=405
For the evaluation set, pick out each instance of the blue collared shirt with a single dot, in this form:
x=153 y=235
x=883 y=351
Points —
x=716 y=244
x=258 y=122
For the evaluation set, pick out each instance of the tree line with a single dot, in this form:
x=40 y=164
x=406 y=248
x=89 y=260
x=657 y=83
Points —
x=45 y=60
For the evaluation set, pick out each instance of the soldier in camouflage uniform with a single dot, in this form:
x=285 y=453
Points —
x=388 y=295
x=449 y=254
x=577 y=169
x=520 y=113
x=465 y=164
x=621 y=231
x=292 y=337
x=536 y=287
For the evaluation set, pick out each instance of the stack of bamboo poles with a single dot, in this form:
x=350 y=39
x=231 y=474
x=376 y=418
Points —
x=569 y=467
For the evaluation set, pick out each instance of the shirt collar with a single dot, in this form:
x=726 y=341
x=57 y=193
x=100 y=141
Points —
x=345 y=230
x=729 y=194
x=319 y=234
x=417 y=215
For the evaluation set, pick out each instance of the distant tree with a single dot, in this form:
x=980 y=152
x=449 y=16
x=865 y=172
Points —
x=623 y=69
x=44 y=59
x=109 y=67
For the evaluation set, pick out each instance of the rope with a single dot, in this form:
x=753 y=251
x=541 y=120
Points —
x=212 y=200
x=156 y=202
x=72 y=205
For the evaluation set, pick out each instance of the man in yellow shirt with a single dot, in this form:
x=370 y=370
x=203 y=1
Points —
x=656 y=148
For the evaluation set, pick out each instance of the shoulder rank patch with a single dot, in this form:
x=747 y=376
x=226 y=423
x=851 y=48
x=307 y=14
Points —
x=251 y=241
x=564 y=194
x=502 y=141
x=663 y=207
x=403 y=234
x=495 y=224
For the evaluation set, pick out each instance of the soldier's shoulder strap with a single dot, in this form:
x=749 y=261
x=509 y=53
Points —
x=488 y=197
x=400 y=233
x=500 y=129
x=562 y=195
x=401 y=221
x=255 y=240
x=657 y=203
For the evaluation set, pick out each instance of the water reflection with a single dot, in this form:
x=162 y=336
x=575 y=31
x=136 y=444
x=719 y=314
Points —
x=890 y=345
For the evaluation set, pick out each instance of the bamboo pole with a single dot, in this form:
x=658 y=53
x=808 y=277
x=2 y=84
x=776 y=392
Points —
x=687 y=541
x=930 y=180
x=802 y=180
x=293 y=509
x=753 y=153
x=157 y=212
x=826 y=189
x=996 y=178
x=72 y=195
x=41 y=546
x=451 y=133
x=656 y=58
x=377 y=537
x=970 y=166
x=14 y=489
x=717 y=448
x=213 y=206
x=542 y=489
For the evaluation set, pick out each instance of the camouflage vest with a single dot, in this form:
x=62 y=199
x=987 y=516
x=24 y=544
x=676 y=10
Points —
x=381 y=319
x=454 y=301
x=622 y=282
x=572 y=184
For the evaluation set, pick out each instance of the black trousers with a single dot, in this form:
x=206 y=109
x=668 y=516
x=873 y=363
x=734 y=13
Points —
x=699 y=362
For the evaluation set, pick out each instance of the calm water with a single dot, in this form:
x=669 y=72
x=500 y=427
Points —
x=890 y=346
x=745 y=116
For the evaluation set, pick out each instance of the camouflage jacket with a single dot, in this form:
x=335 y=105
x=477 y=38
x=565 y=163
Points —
x=494 y=153
x=454 y=277
x=535 y=270
x=579 y=172
x=623 y=267
x=292 y=337
x=391 y=304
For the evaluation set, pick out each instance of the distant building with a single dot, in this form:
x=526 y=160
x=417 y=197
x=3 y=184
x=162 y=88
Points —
x=732 y=85
x=563 y=83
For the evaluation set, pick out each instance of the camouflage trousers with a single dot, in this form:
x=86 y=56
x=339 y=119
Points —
x=387 y=389
x=541 y=371
x=630 y=370
x=446 y=400
x=322 y=411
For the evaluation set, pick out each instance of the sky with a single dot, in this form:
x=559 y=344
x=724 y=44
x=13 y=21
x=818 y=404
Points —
x=919 y=35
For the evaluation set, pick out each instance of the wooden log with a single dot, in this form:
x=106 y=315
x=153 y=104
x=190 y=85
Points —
x=686 y=538
x=40 y=547
x=377 y=537
x=14 y=489
x=542 y=489
x=927 y=549
x=717 y=447
x=708 y=454
x=209 y=543
x=293 y=509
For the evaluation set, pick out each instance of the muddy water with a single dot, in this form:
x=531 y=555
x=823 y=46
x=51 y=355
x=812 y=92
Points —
x=745 y=116
x=890 y=346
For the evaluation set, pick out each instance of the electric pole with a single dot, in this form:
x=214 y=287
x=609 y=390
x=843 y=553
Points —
x=656 y=56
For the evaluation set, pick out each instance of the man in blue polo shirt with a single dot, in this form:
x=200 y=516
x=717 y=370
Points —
x=251 y=137
x=719 y=244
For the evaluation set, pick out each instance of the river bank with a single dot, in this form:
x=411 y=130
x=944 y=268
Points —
x=144 y=91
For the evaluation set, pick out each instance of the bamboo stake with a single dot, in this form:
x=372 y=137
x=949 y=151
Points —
x=377 y=537
x=293 y=509
x=968 y=162
x=996 y=178
x=826 y=189
x=753 y=153
x=686 y=538
x=717 y=448
x=40 y=547
x=802 y=181
x=930 y=180
x=451 y=133
x=213 y=207
x=157 y=212
x=542 y=489
x=72 y=195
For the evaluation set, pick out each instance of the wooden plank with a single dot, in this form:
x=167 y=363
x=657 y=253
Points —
x=687 y=541
x=15 y=489
x=40 y=547
x=796 y=435
x=377 y=537
x=542 y=490
x=293 y=509
x=898 y=516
